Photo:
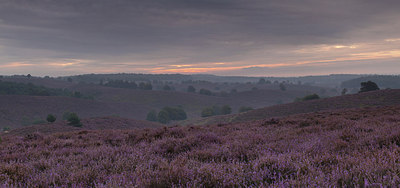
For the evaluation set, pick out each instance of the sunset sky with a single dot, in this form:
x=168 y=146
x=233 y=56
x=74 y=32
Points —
x=222 y=37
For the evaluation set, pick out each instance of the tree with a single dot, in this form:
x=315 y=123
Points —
x=29 y=75
x=344 y=91
x=152 y=116
x=51 y=118
x=226 y=109
x=282 y=87
x=205 y=92
x=74 y=120
x=191 y=89
x=368 y=86
x=261 y=81
x=308 y=97
x=163 y=117
x=245 y=109
x=167 y=88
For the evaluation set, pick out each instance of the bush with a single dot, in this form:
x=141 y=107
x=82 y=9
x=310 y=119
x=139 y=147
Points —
x=51 y=118
x=205 y=92
x=226 y=109
x=152 y=116
x=282 y=87
x=368 y=86
x=74 y=120
x=191 y=89
x=66 y=115
x=167 y=88
x=308 y=97
x=163 y=117
x=245 y=109
x=216 y=110
x=207 y=112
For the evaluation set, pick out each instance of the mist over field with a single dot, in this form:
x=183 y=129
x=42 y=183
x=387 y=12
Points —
x=199 y=93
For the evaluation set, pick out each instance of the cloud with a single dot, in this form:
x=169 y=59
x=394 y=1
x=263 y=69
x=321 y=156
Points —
x=133 y=35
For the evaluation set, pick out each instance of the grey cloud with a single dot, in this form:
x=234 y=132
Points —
x=199 y=30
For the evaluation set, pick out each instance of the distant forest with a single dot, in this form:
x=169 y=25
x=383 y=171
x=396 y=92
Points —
x=333 y=80
x=13 y=88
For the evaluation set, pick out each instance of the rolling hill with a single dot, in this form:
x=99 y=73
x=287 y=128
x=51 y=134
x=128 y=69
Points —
x=374 y=98
x=17 y=111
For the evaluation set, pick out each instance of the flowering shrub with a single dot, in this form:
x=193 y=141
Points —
x=350 y=148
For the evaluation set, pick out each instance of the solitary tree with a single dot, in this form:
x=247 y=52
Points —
x=368 y=86
x=226 y=109
x=74 y=120
x=51 y=118
x=282 y=87
x=163 y=117
x=191 y=89
x=344 y=91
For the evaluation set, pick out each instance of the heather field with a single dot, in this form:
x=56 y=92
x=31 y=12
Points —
x=353 y=147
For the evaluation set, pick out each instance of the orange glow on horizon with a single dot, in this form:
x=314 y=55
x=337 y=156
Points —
x=16 y=64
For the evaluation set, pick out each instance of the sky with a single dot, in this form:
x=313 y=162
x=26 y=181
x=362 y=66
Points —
x=221 y=37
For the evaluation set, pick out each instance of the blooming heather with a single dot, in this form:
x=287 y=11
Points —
x=357 y=147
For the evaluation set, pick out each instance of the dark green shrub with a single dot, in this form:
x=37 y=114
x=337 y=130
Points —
x=216 y=110
x=282 y=87
x=163 y=117
x=245 y=109
x=205 y=92
x=368 y=86
x=226 y=109
x=191 y=89
x=311 y=97
x=66 y=115
x=152 y=116
x=51 y=118
x=167 y=88
x=74 y=120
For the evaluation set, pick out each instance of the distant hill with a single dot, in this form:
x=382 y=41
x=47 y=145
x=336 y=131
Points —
x=333 y=80
x=383 y=81
x=367 y=99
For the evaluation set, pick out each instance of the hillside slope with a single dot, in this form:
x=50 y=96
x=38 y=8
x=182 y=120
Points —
x=97 y=123
x=374 y=98
x=338 y=148
x=18 y=110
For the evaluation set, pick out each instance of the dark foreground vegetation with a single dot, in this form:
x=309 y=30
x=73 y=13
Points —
x=351 y=148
